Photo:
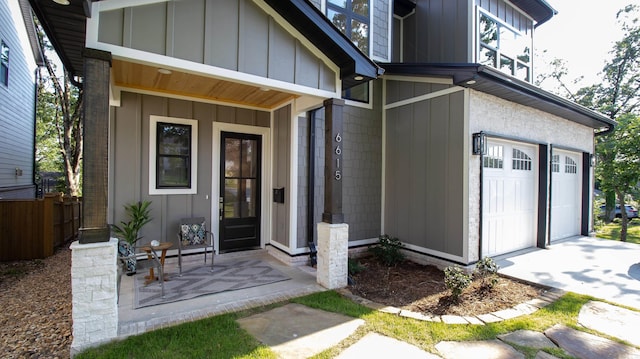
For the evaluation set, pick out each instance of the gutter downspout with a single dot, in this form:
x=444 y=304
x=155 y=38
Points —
x=480 y=229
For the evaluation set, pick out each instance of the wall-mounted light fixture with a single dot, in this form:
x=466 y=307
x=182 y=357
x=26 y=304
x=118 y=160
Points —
x=592 y=160
x=479 y=144
x=62 y=2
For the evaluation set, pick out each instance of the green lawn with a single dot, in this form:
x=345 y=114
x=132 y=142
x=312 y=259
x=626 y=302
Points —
x=612 y=231
x=221 y=337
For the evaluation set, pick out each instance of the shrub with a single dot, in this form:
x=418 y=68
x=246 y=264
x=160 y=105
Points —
x=456 y=280
x=487 y=271
x=354 y=267
x=387 y=250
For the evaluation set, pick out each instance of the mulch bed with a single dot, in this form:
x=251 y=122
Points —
x=35 y=297
x=421 y=288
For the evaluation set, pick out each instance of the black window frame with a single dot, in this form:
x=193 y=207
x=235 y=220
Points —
x=188 y=158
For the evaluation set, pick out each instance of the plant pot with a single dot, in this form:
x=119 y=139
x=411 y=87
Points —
x=127 y=254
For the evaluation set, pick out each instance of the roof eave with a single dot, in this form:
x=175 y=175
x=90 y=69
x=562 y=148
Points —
x=492 y=81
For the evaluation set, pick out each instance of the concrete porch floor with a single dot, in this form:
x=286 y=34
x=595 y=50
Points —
x=133 y=321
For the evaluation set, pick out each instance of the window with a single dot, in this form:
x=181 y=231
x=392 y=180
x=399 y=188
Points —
x=555 y=163
x=4 y=63
x=521 y=161
x=172 y=155
x=351 y=17
x=504 y=48
x=494 y=157
x=570 y=165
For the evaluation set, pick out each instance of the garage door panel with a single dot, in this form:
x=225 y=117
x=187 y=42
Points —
x=566 y=189
x=509 y=197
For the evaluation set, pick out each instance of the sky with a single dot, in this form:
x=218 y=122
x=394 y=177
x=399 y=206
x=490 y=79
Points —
x=582 y=33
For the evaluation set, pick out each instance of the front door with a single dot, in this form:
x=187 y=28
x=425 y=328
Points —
x=240 y=191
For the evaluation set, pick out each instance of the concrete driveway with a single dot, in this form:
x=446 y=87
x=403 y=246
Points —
x=601 y=268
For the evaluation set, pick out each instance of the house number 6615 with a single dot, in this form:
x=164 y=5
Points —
x=338 y=174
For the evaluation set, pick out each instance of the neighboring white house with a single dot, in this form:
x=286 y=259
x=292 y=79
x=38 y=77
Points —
x=19 y=57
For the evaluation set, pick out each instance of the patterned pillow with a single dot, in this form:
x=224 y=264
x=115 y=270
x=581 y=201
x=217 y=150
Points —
x=193 y=234
x=127 y=256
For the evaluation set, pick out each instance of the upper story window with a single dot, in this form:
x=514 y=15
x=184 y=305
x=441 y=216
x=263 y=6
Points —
x=4 y=63
x=504 y=48
x=351 y=17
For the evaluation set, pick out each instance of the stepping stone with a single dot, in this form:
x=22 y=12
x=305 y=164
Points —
x=374 y=345
x=611 y=320
x=527 y=338
x=588 y=346
x=297 y=331
x=478 y=349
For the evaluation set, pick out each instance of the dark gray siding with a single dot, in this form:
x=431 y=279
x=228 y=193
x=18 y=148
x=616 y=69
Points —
x=281 y=174
x=439 y=31
x=129 y=172
x=231 y=34
x=16 y=112
x=424 y=203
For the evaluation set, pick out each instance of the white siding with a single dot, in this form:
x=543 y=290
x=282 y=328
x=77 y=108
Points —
x=16 y=102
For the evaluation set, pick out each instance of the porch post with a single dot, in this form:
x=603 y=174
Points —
x=333 y=233
x=95 y=163
x=93 y=260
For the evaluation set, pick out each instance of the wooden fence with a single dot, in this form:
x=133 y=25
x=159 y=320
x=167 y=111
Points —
x=31 y=229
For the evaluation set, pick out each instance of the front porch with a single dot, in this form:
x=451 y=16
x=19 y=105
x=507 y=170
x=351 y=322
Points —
x=132 y=321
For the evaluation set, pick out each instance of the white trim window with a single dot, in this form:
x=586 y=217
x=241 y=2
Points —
x=502 y=47
x=173 y=157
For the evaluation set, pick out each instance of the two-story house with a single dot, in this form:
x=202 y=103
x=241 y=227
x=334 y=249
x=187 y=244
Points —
x=19 y=58
x=417 y=119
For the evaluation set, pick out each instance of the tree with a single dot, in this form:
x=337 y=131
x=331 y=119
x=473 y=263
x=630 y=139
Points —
x=60 y=115
x=616 y=96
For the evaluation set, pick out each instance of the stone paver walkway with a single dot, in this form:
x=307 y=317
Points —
x=295 y=331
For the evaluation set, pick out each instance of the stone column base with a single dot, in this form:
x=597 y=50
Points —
x=333 y=253
x=94 y=274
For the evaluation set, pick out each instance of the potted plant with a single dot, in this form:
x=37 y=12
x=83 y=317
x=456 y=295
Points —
x=128 y=232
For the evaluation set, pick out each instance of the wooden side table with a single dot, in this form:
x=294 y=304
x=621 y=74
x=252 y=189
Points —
x=160 y=247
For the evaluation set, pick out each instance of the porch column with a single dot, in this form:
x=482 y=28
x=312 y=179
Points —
x=95 y=163
x=333 y=233
x=94 y=255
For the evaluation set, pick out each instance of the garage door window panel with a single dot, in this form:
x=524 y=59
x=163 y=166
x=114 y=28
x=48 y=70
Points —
x=521 y=161
x=494 y=157
x=570 y=166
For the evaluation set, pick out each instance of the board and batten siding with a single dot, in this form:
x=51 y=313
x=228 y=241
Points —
x=425 y=169
x=129 y=159
x=281 y=175
x=16 y=109
x=231 y=34
x=438 y=31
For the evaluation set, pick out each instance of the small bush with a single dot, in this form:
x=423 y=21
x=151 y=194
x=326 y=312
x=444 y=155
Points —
x=456 y=280
x=354 y=267
x=387 y=250
x=487 y=271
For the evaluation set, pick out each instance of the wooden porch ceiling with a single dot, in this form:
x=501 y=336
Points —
x=144 y=77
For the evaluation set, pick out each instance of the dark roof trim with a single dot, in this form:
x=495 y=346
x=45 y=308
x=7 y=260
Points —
x=540 y=10
x=36 y=50
x=316 y=27
x=65 y=27
x=491 y=81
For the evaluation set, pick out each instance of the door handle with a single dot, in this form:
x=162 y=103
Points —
x=221 y=207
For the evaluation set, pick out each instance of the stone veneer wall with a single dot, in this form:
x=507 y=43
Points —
x=492 y=114
x=94 y=275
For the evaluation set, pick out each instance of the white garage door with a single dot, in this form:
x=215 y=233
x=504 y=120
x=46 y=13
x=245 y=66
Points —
x=509 y=197
x=566 y=202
